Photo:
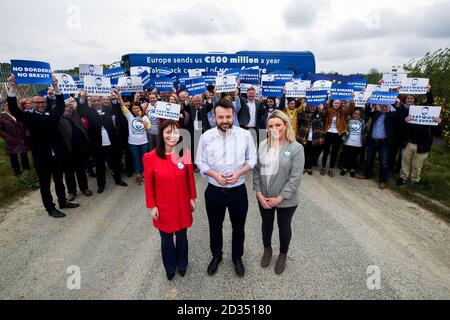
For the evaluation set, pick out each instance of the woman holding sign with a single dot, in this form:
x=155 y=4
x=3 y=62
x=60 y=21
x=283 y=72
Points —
x=138 y=124
x=335 y=126
x=170 y=194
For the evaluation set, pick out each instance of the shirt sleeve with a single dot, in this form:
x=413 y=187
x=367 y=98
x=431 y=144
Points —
x=201 y=158
x=298 y=163
x=257 y=176
x=250 y=154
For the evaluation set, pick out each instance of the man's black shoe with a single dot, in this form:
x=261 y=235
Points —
x=239 y=267
x=182 y=272
x=55 y=213
x=101 y=189
x=122 y=184
x=400 y=182
x=170 y=276
x=69 y=205
x=212 y=268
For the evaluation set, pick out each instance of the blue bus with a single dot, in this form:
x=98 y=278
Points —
x=301 y=62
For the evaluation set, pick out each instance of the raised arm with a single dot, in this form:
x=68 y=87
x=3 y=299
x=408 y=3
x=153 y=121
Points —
x=12 y=103
x=60 y=106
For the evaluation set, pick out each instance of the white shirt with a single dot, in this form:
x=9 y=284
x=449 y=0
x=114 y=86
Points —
x=333 y=128
x=197 y=126
x=269 y=162
x=226 y=155
x=105 y=137
x=252 y=109
x=310 y=134
x=355 y=131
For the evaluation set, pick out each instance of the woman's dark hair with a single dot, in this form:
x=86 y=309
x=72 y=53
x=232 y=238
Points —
x=161 y=146
x=403 y=99
x=273 y=99
x=297 y=104
x=136 y=104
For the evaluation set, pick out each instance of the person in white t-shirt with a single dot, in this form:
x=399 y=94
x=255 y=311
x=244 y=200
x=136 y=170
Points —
x=353 y=143
x=138 y=124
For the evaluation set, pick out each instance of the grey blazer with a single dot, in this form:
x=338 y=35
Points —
x=286 y=180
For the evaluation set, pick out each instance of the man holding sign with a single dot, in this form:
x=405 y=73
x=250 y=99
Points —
x=46 y=144
x=103 y=136
x=423 y=123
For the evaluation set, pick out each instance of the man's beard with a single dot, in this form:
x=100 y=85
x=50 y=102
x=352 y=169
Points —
x=225 y=126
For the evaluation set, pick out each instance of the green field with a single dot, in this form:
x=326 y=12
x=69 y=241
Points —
x=435 y=176
x=12 y=187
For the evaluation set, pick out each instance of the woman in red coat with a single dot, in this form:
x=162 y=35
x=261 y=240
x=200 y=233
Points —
x=170 y=194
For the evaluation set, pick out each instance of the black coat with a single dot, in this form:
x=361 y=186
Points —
x=244 y=114
x=392 y=123
x=97 y=121
x=46 y=139
x=203 y=116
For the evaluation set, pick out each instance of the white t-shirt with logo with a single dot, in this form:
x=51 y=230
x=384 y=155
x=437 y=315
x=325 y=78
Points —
x=137 y=133
x=355 y=132
x=333 y=127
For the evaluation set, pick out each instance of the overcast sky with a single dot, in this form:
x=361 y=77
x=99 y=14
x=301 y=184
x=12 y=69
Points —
x=345 y=36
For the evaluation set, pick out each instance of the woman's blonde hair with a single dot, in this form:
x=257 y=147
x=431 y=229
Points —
x=278 y=114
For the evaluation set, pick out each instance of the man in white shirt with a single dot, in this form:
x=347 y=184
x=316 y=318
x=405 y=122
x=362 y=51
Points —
x=225 y=154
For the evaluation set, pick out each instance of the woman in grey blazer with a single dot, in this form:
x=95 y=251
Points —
x=276 y=179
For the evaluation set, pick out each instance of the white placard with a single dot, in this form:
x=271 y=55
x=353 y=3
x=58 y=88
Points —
x=376 y=87
x=297 y=88
x=97 y=86
x=424 y=115
x=95 y=70
x=267 y=78
x=322 y=85
x=394 y=80
x=226 y=84
x=136 y=71
x=195 y=73
x=361 y=98
x=66 y=83
x=415 y=86
x=166 y=110
x=130 y=84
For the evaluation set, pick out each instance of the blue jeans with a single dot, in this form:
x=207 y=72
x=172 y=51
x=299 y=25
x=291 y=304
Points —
x=382 y=147
x=137 y=152
x=174 y=254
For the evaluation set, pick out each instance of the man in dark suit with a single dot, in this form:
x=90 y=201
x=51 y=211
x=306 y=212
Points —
x=103 y=136
x=249 y=115
x=76 y=141
x=47 y=145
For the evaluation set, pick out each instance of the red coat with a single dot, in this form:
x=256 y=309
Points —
x=169 y=186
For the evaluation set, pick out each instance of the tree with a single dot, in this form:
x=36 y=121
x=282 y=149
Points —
x=374 y=76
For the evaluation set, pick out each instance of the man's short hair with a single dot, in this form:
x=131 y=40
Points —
x=224 y=103
x=251 y=89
